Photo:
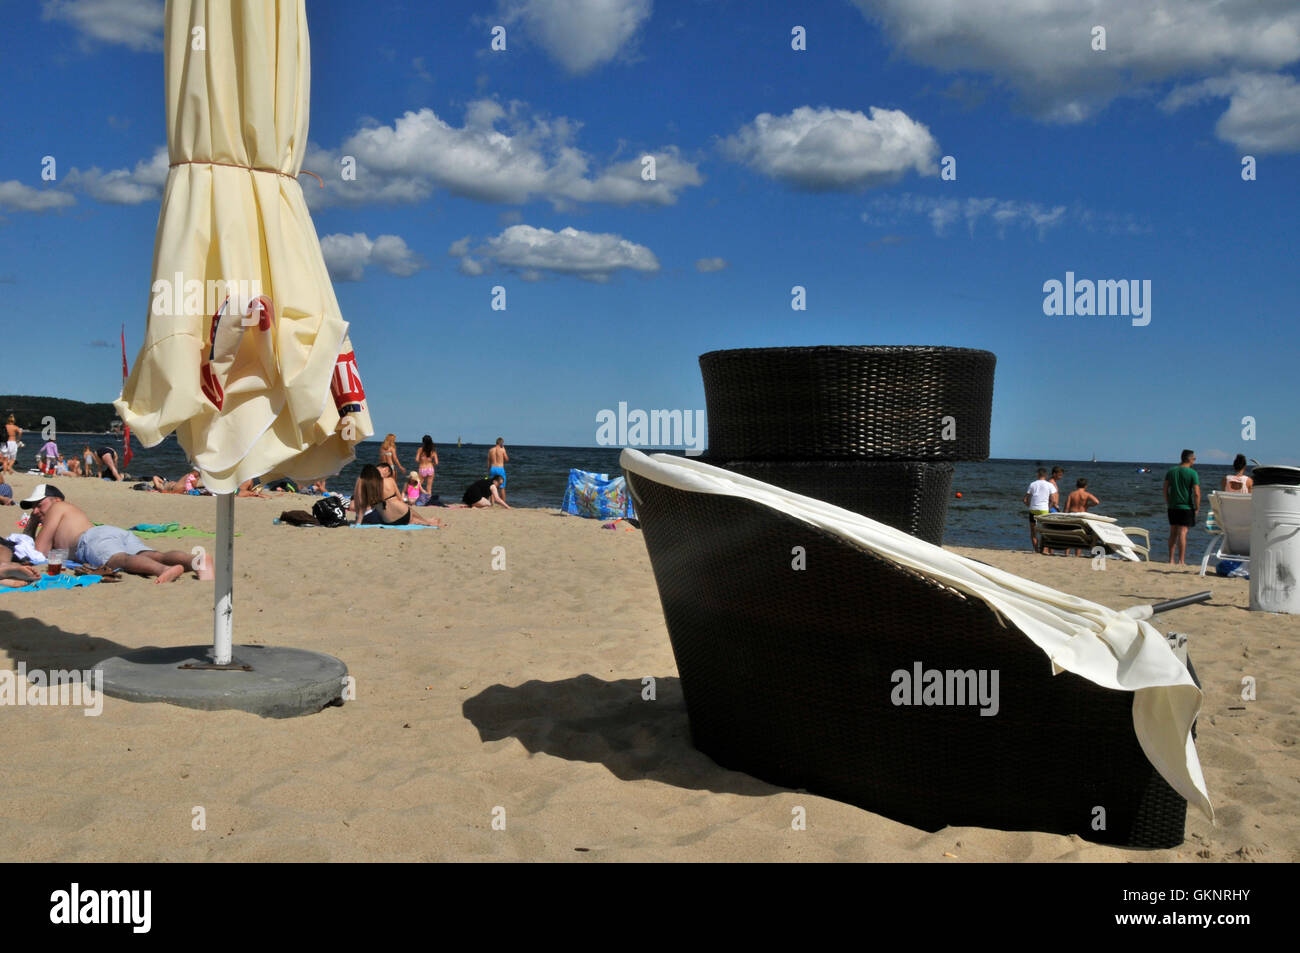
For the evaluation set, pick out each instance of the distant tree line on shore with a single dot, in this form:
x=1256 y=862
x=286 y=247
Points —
x=70 y=416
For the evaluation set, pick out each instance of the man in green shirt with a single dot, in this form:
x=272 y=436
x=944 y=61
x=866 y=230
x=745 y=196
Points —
x=1183 y=499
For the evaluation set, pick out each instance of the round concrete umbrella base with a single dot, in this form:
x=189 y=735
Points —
x=282 y=683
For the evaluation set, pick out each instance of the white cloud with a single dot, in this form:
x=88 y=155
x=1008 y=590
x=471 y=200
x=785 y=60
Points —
x=533 y=251
x=710 y=264
x=348 y=256
x=578 y=34
x=144 y=183
x=1043 y=48
x=500 y=155
x=1263 y=109
x=16 y=197
x=834 y=149
x=135 y=24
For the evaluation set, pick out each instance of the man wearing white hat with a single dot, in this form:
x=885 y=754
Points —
x=67 y=527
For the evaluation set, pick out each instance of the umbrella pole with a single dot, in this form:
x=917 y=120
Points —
x=223 y=606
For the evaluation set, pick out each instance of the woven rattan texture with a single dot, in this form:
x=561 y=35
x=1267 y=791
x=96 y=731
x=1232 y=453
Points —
x=911 y=495
x=816 y=403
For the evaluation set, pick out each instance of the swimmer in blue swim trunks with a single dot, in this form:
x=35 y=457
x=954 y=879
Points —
x=497 y=460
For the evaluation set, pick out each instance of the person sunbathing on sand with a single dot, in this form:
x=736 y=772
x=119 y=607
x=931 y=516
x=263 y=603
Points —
x=186 y=483
x=67 y=527
x=385 y=508
x=251 y=488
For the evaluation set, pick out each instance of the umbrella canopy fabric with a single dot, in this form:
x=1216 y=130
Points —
x=246 y=356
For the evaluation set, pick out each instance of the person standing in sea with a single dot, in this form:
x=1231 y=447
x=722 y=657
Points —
x=1041 y=497
x=388 y=453
x=13 y=433
x=1182 y=490
x=1058 y=474
x=426 y=459
x=497 y=460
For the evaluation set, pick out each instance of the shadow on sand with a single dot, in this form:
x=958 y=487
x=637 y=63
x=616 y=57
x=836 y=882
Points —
x=587 y=719
x=43 y=646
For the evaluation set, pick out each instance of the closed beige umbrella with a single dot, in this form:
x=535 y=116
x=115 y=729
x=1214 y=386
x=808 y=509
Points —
x=272 y=389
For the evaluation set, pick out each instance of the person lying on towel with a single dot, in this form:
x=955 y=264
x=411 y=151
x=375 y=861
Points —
x=190 y=481
x=67 y=527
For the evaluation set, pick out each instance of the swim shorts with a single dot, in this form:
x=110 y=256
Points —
x=99 y=544
x=10 y=449
x=1179 y=517
x=498 y=471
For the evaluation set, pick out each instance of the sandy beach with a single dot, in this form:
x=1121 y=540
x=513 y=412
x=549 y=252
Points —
x=479 y=689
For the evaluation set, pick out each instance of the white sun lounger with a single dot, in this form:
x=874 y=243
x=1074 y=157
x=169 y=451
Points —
x=1230 y=537
x=1086 y=530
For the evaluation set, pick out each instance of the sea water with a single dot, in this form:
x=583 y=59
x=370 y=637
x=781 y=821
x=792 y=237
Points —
x=990 y=513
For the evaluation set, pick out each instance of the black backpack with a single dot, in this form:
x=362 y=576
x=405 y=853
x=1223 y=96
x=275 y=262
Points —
x=330 y=511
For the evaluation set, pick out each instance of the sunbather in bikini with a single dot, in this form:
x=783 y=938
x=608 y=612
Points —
x=186 y=483
x=426 y=458
x=385 y=508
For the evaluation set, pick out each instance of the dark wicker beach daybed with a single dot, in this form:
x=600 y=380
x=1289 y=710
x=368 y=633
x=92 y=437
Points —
x=789 y=639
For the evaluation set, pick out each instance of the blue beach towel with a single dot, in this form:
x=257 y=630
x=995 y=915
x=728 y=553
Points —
x=55 y=582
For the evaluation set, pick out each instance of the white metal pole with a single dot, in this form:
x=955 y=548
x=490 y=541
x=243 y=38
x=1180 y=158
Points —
x=223 y=594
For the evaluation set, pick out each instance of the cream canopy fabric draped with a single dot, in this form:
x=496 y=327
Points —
x=242 y=100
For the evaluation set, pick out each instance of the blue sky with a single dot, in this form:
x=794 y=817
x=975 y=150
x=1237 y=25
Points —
x=775 y=167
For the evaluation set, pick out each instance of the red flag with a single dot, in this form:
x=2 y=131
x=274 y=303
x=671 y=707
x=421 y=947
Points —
x=126 y=431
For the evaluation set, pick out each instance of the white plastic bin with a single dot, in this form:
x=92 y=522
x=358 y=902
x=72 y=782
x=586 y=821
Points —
x=1275 y=540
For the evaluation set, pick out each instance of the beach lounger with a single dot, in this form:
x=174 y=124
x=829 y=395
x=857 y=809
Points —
x=797 y=627
x=1230 y=535
x=1089 y=530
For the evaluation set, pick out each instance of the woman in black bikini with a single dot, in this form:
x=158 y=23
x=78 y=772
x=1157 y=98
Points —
x=386 y=509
